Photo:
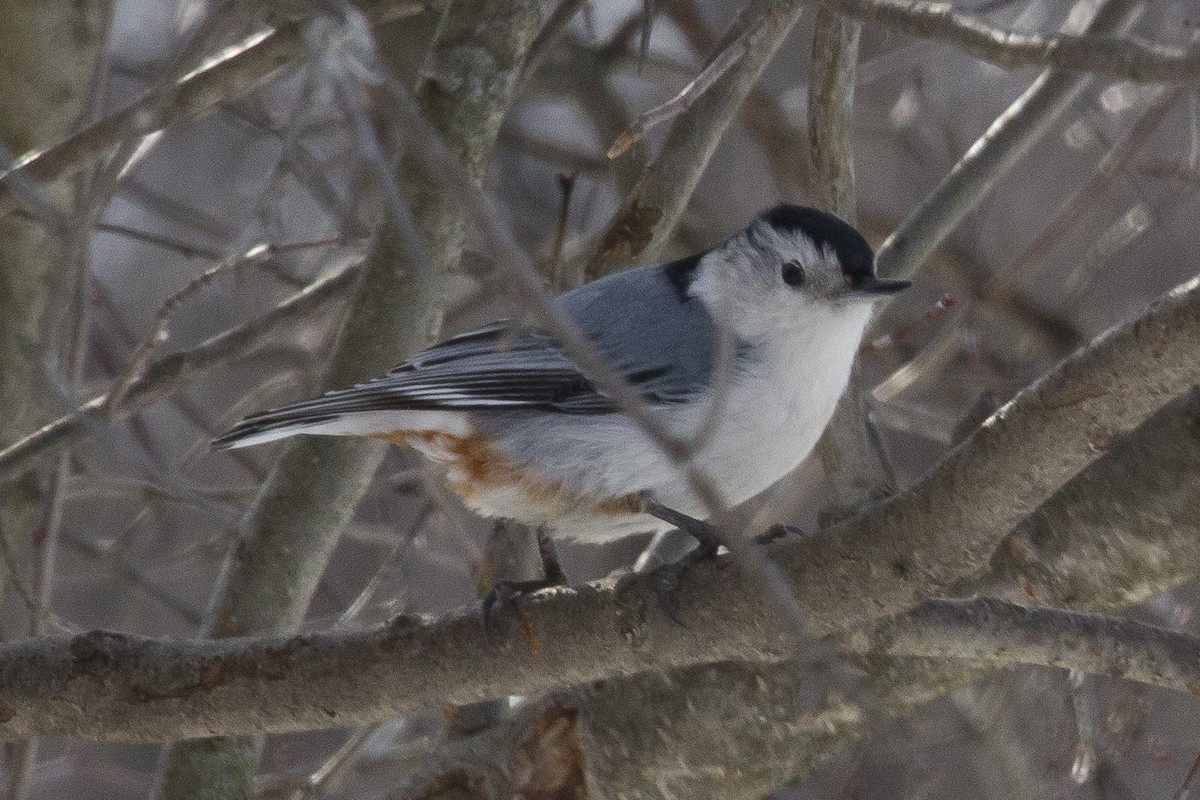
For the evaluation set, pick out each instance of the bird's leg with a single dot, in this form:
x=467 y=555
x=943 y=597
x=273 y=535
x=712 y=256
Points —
x=506 y=593
x=700 y=530
x=552 y=571
x=670 y=575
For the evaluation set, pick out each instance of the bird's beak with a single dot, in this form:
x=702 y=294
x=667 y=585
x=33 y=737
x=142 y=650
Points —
x=872 y=288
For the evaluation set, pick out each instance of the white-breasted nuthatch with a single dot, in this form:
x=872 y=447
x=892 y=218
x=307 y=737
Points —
x=524 y=435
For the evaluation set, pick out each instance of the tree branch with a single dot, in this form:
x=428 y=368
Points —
x=756 y=727
x=1113 y=56
x=656 y=202
x=1005 y=142
x=844 y=448
x=744 y=729
x=880 y=564
x=259 y=57
x=999 y=633
x=171 y=373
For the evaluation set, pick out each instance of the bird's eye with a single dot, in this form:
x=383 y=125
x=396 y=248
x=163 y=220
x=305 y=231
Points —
x=793 y=274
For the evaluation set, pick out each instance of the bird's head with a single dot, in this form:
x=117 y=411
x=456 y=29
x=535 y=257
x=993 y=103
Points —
x=792 y=267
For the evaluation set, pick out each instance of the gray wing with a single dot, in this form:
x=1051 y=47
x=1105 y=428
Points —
x=660 y=339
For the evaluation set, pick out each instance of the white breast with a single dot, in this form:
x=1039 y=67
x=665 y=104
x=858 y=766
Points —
x=780 y=407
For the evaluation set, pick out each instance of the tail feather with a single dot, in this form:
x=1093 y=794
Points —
x=268 y=426
x=280 y=423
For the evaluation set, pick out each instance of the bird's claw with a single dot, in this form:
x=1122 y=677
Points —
x=671 y=575
x=777 y=532
x=508 y=594
x=668 y=582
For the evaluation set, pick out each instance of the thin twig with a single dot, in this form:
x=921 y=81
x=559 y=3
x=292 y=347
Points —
x=1185 y=789
x=1002 y=146
x=238 y=68
x=652 y=209
x=175 y=371
x=552 y=30
x=566 y=187
x=139 y=360
x=1095 y=52
x=688 y=94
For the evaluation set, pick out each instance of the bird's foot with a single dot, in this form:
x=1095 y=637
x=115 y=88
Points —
x=670 y=575
x=505 y=595
x=777 y=532
x=508 y=594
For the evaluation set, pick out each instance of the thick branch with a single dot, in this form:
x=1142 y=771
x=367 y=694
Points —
x=898 y=554
x=740 y=731
x=1098 y=545
x=999 y=633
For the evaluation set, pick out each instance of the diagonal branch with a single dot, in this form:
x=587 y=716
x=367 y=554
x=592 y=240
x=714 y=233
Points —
x=223 y=78
x=1009 y=138
x=1100 y=54
x=650 y=212
x=690 y=93
x=999 y=633
x=172 y=372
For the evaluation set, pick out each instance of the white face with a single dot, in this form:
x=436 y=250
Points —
x=765 y=282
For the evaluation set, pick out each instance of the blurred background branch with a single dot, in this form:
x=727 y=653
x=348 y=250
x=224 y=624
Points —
x=310 y=495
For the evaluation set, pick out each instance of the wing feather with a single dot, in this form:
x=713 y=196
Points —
x=658 y=338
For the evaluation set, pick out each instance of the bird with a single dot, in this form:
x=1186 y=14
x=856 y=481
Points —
x=522 y=434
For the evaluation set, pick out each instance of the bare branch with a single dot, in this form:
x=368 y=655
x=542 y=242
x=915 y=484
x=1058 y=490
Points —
x=175 y=371
x=844 y=449
x=650 y=212
x=1008 y=139
x=234 y=72
x=690 y=93
x=831 y=82
x=139 y=360
x=1094 y=52
x=999 y=633
x=745 y=729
